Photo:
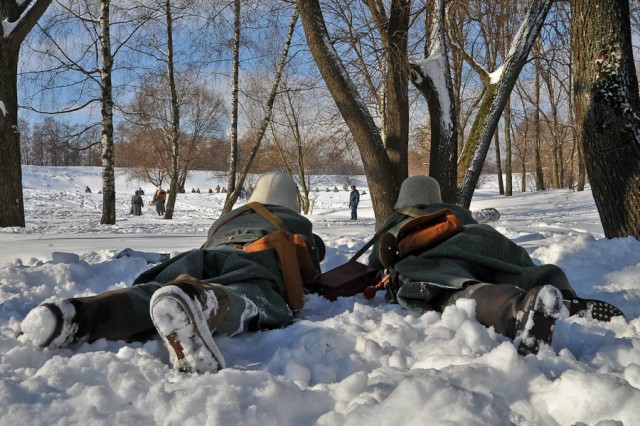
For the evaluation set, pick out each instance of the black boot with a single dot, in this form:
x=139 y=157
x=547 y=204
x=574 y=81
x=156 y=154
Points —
x=527 y=317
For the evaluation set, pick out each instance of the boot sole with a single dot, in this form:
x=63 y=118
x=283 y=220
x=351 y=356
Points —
x=185 y=333
x=596 y=309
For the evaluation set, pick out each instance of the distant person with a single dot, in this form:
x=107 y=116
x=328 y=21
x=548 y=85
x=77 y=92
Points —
x=223 y=190
x=345 y=187
x=217 y=189
x=160 y=200
x=193 y=190
x=354 y=200
x=335 y=189
x=197 y=190
x=140 y=191
x=210 y=191
x=136 y=204
x=87 y=189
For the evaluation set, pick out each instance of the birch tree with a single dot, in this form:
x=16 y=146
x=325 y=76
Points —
x=18 y=19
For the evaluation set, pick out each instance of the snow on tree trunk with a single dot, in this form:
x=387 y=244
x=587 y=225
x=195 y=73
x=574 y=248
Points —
x=17 y=19
x=496 y=95
x=607 y=106
x=432 y=77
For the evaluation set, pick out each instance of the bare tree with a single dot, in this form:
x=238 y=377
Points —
x=18 y=17
x=607 y=105
x=151 y=144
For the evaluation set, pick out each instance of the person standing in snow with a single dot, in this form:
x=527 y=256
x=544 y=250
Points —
x=354 y=200
x=136 y=204
x=160 y=200
x=519 y=299
x=218 y=288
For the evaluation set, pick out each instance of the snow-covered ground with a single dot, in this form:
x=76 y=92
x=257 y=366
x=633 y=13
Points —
x=353 y=361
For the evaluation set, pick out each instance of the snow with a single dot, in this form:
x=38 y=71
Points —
x=352 y=361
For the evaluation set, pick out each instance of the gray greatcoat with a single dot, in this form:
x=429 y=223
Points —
x=136 y=205
x=477 y=254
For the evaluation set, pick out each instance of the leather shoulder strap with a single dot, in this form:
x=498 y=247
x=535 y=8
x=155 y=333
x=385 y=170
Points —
x=268 y=215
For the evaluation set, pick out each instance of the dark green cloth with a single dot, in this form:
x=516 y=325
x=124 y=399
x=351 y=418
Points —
x=242 y=226
x=477 y=254
x=245 y=277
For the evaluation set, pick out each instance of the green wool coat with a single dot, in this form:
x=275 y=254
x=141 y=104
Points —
x=477 y=254
x=243 y=276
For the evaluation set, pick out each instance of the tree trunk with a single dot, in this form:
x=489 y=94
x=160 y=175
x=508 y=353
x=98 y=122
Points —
x=537 y=147
x=508 y=190
x=607 y=105
x=428 y=76
x=108 y=167
x=175 y=120
x=397 y=78
x=496 y=142
x=379 y=170
x=11 y=197
x=232 y=192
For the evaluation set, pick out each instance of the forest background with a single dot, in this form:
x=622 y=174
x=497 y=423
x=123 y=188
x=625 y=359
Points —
x=386 y=88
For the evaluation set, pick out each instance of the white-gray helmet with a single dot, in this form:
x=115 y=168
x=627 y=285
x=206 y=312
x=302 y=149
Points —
x=276 y=188
x=418 y=190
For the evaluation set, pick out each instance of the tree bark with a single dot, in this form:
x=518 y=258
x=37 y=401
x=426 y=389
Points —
x=232 y=186
x=607 y=105
x=508 y=189
x=174 y=175
x=108 y=167
x=432 y=77
x=397 y=87
x=26 y=14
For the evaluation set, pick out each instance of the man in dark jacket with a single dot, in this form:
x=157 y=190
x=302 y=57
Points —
x=519 y=299
x=354 y=200
x=219 y=288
